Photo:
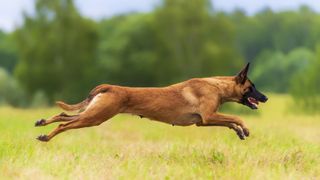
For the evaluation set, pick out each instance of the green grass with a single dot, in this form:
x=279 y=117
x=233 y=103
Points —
x=281 y=146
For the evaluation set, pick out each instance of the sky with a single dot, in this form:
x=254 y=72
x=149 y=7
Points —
x=10 y=10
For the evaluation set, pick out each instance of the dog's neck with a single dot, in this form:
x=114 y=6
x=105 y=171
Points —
x=227 y=87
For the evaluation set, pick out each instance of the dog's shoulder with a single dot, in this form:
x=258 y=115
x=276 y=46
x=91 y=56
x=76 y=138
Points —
x=197 y=87
x=201 y=83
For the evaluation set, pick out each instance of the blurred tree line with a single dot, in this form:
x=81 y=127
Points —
x=59 y=54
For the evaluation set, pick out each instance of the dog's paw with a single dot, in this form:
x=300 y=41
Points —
x=246 y=131
x=40 y=122
x=238 y=130
x=43 y=138
x=241 y=135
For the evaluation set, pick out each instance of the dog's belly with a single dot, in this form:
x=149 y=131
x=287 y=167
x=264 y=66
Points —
x=179 y=120
x=164 y=105
x=187 y=120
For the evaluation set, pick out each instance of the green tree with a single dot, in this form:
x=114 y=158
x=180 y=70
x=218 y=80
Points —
x=10 y=91
x=8 y=56
x=275 y=31
x=180 y=40
x=127 y=50
x=305 y=86
x=255 y=33
x=194 y=41
x=57 y=51
x=273 y=70
x=297 y=29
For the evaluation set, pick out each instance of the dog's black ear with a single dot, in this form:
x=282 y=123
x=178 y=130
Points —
x=242 y=75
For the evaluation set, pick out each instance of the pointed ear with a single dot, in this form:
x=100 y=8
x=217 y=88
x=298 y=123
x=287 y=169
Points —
x=242 y=75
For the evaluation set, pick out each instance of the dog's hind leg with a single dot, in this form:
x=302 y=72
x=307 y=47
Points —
x=77 y=123
x=102 y=109
x=58 y=118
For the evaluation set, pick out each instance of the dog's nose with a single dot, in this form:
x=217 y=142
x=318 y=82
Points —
x=265 y=98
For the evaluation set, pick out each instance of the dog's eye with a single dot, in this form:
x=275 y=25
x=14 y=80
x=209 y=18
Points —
x=247 y=90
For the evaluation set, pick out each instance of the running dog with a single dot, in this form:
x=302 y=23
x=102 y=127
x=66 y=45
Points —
x=195 y=101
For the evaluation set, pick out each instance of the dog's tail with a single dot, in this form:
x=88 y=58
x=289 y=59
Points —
x=73 y=107
x=82 y=105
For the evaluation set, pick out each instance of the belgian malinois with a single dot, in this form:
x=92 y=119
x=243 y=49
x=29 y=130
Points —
x=195 y=101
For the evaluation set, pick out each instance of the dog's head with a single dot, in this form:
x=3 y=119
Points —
x=248 y=94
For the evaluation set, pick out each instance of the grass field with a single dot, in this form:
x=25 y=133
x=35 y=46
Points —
x=281 y=146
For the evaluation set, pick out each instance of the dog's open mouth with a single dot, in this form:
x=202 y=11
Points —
x=253 y=102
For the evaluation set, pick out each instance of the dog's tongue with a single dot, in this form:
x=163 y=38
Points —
x=253 y=101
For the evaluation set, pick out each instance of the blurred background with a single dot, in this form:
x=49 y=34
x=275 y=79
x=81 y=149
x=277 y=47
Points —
x=60 y=49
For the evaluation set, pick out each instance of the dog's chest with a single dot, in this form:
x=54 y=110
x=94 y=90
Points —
x=186 y=120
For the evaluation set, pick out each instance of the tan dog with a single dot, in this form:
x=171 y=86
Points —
x=194 y=101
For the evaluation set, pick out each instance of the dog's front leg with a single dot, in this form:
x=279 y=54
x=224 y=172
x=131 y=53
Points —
x=233 y=122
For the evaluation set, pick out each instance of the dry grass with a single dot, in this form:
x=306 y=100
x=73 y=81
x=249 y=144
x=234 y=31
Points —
x=282 y=146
